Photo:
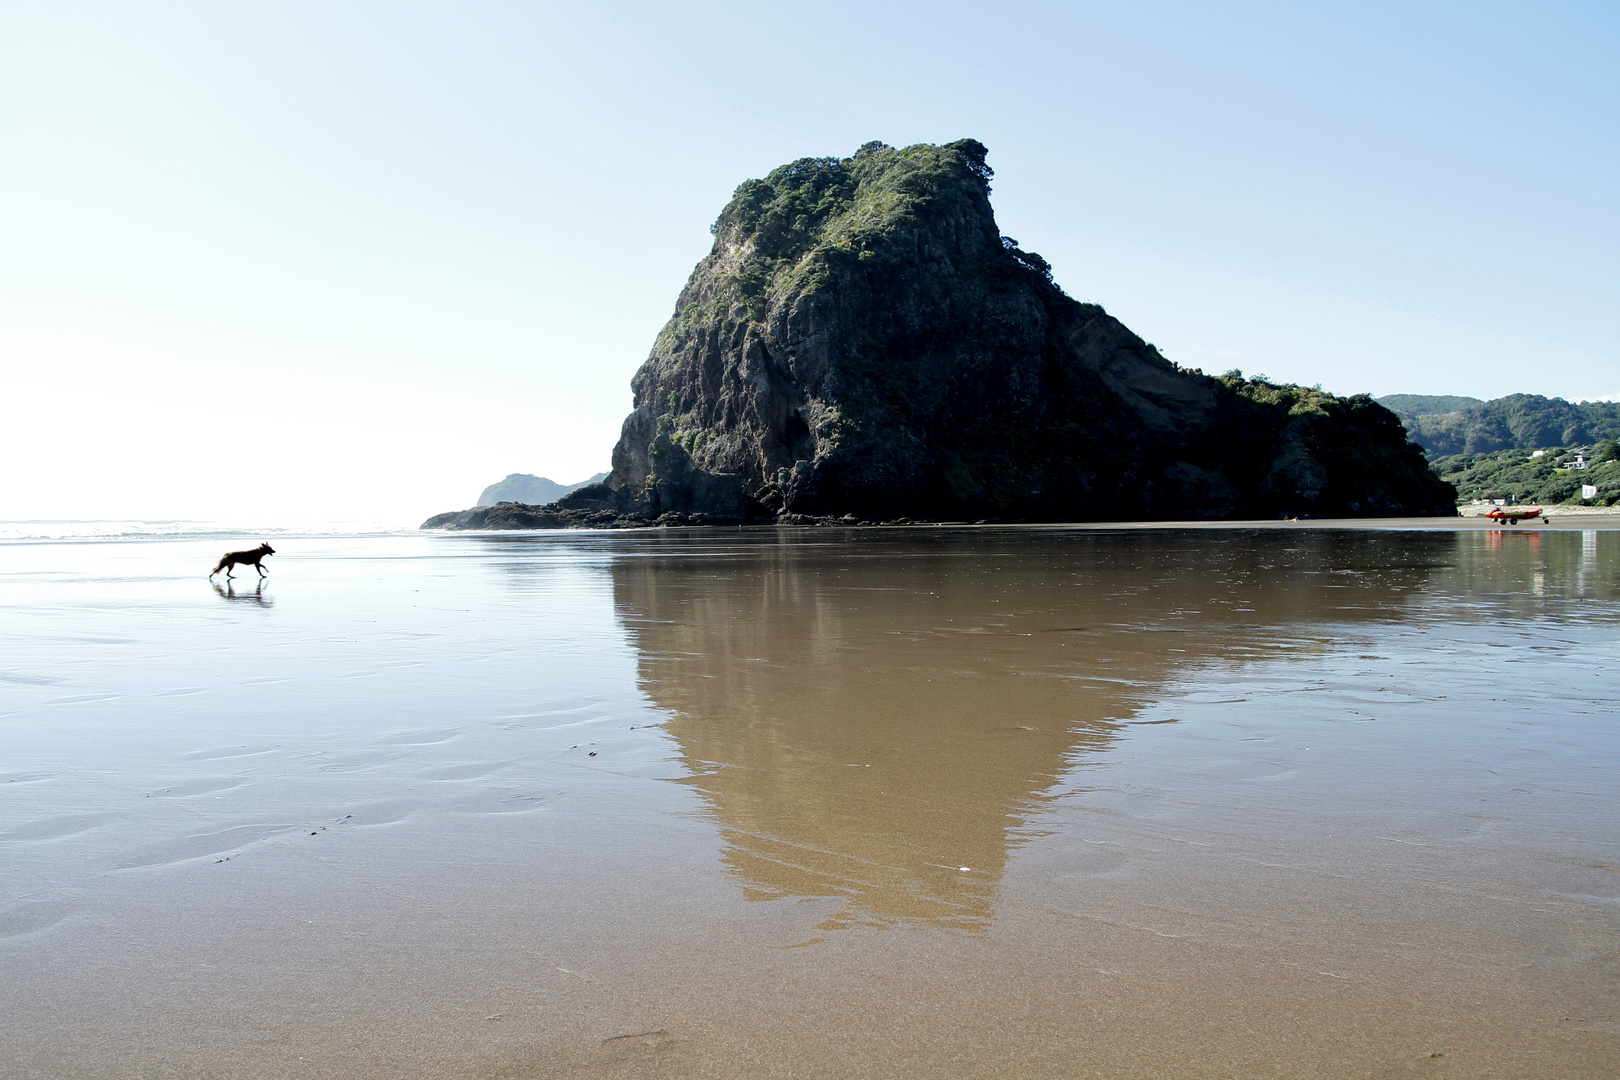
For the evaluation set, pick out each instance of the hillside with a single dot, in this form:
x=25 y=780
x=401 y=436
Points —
x=1515 y=476
x=1515 y=422
x=1404 y=405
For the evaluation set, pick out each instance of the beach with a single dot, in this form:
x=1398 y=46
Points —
x=1279 y=799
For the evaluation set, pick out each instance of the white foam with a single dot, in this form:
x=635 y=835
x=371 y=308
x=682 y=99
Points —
x=158 y=529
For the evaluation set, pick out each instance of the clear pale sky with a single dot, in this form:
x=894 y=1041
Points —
x=358 y=260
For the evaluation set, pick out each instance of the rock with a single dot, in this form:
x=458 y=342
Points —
x=863 y=344
x=522 y=516
x=530 y=490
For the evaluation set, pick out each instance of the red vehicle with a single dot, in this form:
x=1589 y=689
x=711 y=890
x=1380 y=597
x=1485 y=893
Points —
x=1512 y=514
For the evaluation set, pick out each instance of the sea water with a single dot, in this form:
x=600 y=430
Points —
x=899 y=801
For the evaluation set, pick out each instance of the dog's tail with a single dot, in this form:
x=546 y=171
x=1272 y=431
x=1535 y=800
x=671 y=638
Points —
x=220 y=567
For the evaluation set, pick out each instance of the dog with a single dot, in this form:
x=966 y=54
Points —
x=252 y=558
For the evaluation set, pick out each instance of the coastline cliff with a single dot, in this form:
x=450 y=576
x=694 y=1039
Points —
x=862 y=342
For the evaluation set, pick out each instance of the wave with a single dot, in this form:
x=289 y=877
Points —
x=157 y=529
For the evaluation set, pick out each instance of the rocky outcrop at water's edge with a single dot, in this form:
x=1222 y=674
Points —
x=862 y=343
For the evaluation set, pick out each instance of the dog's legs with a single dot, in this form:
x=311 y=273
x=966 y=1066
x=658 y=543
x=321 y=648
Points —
x=263 y=573
x=228 y=570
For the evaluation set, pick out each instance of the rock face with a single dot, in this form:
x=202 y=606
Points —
x=863 y=341
x=530 y=489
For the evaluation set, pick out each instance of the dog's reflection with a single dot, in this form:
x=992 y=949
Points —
x=228 y=592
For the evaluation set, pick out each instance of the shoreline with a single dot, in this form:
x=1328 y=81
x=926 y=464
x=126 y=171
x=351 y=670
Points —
x=479 y=806
x=1582 y=519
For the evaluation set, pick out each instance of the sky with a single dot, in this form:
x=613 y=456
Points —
x=356 y=261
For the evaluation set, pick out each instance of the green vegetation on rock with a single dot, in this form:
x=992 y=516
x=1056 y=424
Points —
x=862 y=342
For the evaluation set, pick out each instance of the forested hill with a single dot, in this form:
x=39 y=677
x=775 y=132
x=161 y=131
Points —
x=1424 y=404
x=1515 y=422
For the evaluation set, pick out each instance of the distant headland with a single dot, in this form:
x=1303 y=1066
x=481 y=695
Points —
x=530 y=489
x=862 y=343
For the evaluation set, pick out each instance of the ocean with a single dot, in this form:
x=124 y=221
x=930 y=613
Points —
x=924 y=801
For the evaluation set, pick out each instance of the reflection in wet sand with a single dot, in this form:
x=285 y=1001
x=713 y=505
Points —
x=877 y=716
x=1279 y=802
x=255 y=595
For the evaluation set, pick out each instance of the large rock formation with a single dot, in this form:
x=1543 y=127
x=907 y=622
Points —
x=862 y=340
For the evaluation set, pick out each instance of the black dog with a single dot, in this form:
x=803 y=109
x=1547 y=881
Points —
x=245 y=558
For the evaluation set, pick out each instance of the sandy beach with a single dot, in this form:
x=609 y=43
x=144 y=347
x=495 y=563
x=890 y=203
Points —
x=1278 y=799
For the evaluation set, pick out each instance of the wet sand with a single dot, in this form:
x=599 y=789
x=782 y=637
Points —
x=1560 y=518
x=1287 y=800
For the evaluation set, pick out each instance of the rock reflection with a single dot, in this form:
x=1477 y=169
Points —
x=875 y=715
